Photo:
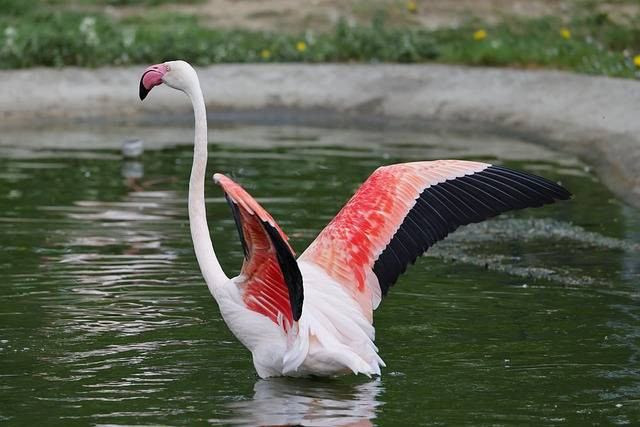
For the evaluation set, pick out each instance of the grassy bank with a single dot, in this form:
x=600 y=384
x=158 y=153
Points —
x=49 y=34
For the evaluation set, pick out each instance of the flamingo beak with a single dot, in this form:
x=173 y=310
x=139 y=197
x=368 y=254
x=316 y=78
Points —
x=152 y=77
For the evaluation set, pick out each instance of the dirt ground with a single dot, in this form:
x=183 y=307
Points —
x=278 y=14
x=296 y=15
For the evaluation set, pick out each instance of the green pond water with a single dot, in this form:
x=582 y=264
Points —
x=530 y=318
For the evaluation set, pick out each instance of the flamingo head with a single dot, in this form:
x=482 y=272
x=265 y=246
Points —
x=176 y=74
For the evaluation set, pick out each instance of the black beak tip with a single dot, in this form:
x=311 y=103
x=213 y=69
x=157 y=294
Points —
x=143 y=91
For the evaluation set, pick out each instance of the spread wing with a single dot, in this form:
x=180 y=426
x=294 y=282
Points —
x=270 y=279
x=403 y=209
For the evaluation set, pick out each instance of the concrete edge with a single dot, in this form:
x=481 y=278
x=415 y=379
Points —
x=595 y=118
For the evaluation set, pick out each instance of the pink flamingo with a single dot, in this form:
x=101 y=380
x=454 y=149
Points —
x=313 y=315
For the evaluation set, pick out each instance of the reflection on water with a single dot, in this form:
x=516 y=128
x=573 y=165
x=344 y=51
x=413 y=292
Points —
x=532 y=317
x=310 y=402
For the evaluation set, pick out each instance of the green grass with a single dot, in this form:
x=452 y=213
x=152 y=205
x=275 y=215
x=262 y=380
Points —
x=47 y=36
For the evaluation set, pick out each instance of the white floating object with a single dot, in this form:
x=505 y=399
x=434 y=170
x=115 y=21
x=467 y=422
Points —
x=132 y=148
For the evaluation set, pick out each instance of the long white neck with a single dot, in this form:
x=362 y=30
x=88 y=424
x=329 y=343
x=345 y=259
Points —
x=209 y=265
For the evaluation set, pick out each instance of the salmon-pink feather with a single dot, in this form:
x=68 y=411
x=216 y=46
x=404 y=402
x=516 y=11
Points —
x=265 y=290
x=350 y=244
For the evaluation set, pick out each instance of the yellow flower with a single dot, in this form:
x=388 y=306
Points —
x=565 y=33
x=480 y=35
x=412 y=6
x=636 y=60
x=301 y=46
x=265 y=54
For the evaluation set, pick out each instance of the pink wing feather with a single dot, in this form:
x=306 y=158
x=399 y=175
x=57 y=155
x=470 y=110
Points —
x=270 y=278
x=403 y=209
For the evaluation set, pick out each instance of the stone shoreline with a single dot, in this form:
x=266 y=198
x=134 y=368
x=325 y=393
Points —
x=595 y=118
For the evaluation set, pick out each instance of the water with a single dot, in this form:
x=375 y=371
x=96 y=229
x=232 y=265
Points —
x=530 y=318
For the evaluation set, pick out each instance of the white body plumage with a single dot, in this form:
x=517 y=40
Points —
x=332 y=336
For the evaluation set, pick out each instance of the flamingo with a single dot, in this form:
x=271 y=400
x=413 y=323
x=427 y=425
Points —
x=313 y=315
